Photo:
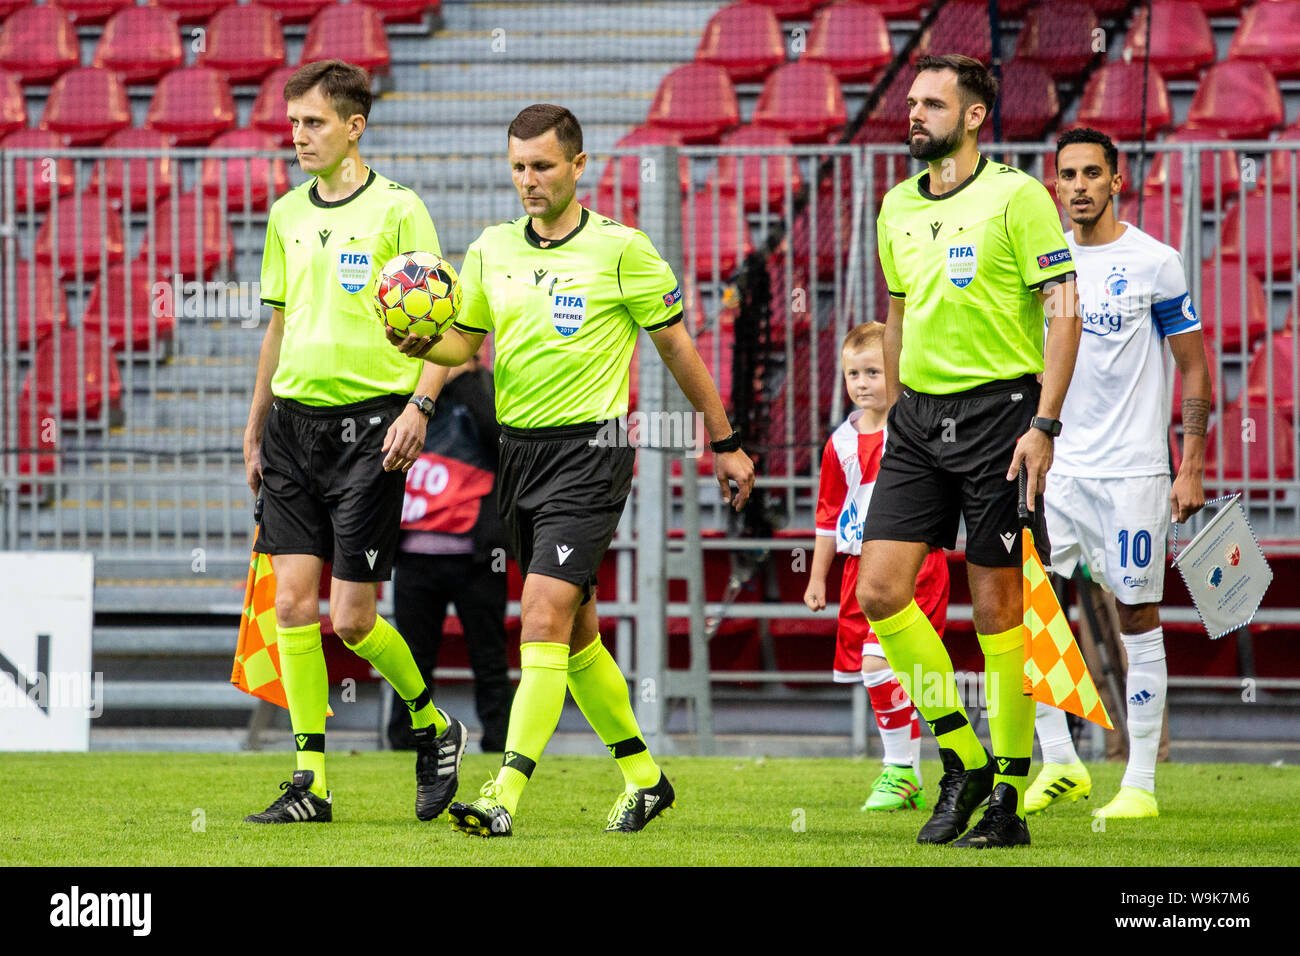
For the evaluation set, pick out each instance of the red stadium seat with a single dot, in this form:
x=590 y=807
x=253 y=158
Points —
x=627 y=171
x=696 y=101
x=179 y=251
x=1168 y=229
x=1169 y=166
x=1029 y=101
x=86 y=105
x=1222 y=300
x=1058 y=37
x=1176 y=417
x=900 y=9
x=32 y=180
x=353 y=33
x=1181 y=42
x=245 y=43
x=1112 y=102
x=93 y=11
x=1237 y=100
x=743 y=39
x=251 y=184
x=85 y=238
x=269 y=109
x=1280 y=161
x=756 y=194
x=10 y=6
x=852 y=39
x=962 y=26
x=1283 y=375
x=834 y=226
x=39 y=300
x=141 y=43
x=1222 y=7
x=82 y=386
x=1268 y=246
x=114 y=171
x=37 y=431
x=193 y=11
x=802 y=100
x=146 y=313
x=789 y=9
x=37 y=44
x=732 y=236
x=403 y=11
x=192 y=104
x=1264 y=422
x=296 y=11
x=1269 y=34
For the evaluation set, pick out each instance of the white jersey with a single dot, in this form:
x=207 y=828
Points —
x=1115 y=420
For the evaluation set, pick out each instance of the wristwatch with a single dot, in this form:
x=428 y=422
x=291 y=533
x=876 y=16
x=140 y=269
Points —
x=730 y=443
x=424 y=403
x=1050 y=425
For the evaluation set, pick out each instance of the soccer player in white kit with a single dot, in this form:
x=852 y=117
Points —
x=1109 y=498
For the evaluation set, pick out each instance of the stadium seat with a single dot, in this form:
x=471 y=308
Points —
x=1268 y=246
x=789 y=9
x=756 y=194
x=92 y=11
x=266 y=178
x=192 y=104
x=1176 y=417
x=1168 y=230
x=962 y=26
x=1237 y=100
x=245 y=43
x=1280 y=162
x=1028 y=101
x=732 y=236
x=1112 y=102
x=193 y=11
x=1283 y=375
x=13 y=108
x=85 y=238
x=900 y=9
x=696 y=101
x=39 y=302
x=1269 y=34
x=11 y=6
x=86 y=105
x=1181 y=42
x=32 y=180
x=269 y=108
x=403 y=11
x=296 y=11
x=1220 y=298
x=834 y=227
x=743 y=39
x=1267 y=423
x=1058 y=37
x=82 y=388
x=802 y=100
x=140 y=43
x=36 y=432
x=852 y=39
x=625 y=174
x=1222 y=7
x=109 y=307
x=353 y=33
x=179 y=251
x=37 y=44
x=114 y=171
x=1169 y=167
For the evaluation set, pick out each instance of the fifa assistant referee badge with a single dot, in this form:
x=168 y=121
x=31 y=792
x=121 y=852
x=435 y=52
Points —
x=730 y=443
x=1050 y=425
x=424 y=403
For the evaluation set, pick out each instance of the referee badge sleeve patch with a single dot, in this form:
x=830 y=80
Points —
x=1053 y=258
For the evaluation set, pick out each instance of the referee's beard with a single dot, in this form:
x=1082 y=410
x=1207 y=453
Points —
x=930 y=148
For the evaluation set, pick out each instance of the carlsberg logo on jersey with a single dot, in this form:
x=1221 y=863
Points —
x=961 y=264
x=568 y=313
x=354 y=271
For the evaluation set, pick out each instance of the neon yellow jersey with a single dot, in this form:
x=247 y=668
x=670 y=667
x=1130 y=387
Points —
x=565 y=314
x=320 y=264
x=968 y=264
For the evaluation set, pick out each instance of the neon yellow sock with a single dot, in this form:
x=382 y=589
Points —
x=389 y=654
x=1011 y=713
x=306 y=688
x=533 y=715
x=600 y=690
x=923 y=667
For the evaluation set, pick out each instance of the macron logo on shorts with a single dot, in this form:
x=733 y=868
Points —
x=370 y=558
x=562 y=553
x=1008 y=540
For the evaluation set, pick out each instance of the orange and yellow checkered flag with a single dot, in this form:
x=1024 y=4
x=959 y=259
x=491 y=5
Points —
x=1055 y=673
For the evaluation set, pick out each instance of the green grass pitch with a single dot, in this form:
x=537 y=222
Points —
x=187 y=810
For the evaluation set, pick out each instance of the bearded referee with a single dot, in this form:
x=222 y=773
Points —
x=333 y=427
x=973 y=254
x=565 y=291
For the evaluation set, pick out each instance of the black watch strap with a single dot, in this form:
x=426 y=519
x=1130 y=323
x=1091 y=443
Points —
x=730 y=443
x=1050 y=425
x=424 y=403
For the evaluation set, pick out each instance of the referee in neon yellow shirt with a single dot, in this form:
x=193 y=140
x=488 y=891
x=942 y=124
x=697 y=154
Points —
x=973 y=254
x=565 y=290
x=334 y=425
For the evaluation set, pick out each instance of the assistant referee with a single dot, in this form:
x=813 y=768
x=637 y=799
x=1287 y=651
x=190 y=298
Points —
x=565 y=291
x=972 y=252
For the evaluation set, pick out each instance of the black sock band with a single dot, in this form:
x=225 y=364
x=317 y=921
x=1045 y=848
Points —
x=312 y=742
x=420 y=702
x=626 y=748
x=517 y=761
x=948 y=723
x=1011 y=766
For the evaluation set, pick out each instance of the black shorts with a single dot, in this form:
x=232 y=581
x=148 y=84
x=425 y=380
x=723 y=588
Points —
x=561 y=496
x=324 y=488
x=946 y=457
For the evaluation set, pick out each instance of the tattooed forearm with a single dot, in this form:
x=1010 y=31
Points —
x=1196 y=414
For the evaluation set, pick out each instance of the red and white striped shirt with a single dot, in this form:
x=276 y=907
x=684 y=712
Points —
x=850 y=464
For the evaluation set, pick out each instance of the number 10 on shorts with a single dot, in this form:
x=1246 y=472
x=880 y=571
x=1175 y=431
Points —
x=1141 y=552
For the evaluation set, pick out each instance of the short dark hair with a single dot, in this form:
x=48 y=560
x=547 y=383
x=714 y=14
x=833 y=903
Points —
x=974 y=80
x=1086 y=134
x=537 y=119
x=346 y=86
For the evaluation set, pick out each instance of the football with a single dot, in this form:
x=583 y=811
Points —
x=419 y=293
